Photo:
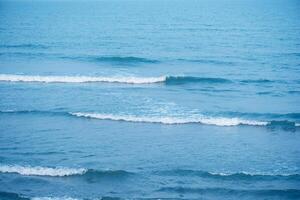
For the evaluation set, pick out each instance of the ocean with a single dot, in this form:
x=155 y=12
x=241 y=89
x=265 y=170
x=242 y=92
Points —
x=149 y=99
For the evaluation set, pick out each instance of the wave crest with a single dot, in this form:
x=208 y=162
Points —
x=62 y=171
x=81 y=79
x=42 y=171
x=172 y=120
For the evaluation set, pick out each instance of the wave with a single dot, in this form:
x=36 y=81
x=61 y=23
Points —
x=119 y=60
x=209 y=61
x=283 y=193
x=236 y=119
x=190 y=79
x=168 y=80
x=61 y=171
x=16 y=196
x=172 y=120
x=202 y=119
x=80 y=79
x=124 y=59
x=55 y=198
x=230 y=176
x=42 y=171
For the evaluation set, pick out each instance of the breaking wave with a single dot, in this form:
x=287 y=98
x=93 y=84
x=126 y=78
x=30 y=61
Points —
x=41 y=171
x=60 y=171
x=168 y=80
x=80 y=79
x=173 y=120
x=235 y=119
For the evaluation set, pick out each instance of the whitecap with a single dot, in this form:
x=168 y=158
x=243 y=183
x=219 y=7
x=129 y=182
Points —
x=81 y=79
x=41 y=171
x=173 y=120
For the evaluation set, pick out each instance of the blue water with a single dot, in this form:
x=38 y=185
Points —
x=129 y=99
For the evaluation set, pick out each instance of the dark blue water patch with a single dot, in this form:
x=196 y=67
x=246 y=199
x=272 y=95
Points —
x=24 y=46
x=228 y=176
x=91 y=173
x=178 y=80
x=264 y=93
x=208 y=61
x=284 y=193
x=117 y=60
x=294 y=92
x=257 y=81
x=283 y=124
x=11 y=196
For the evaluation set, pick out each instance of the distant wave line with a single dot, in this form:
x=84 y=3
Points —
x=168 y=80
x=173 y=120
x=230 y=175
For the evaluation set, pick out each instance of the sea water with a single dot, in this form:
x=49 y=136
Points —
x=149 y=99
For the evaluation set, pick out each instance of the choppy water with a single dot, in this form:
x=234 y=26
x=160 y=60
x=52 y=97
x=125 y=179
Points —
x=149 y=99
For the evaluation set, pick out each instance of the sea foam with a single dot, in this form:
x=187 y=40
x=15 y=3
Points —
x=53 y=198
x=81 y=79
x=173 y=120
x=41 y=171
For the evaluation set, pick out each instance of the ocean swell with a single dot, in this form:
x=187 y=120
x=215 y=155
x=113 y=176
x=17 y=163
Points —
x=131 y=79
x=172 y=120
x=234 y=119
x=80 y=79
x=230 y=175
x=61 y=171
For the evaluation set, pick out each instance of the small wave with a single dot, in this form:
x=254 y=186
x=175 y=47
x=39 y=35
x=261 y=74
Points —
x=42 y=171
x=80 y=79
x=209 y=61
x=119 y=60
x=190 y=79
x=230 y=176
x=257 y=81
x=124 y=59
x=61 y=171
x=284 y=193
x=172 y=120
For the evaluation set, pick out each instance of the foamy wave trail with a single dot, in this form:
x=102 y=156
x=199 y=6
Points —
x=62 y=171
x=230 y=175
x=42 y=171
x=53 y=198
x=80 y=79
x=173 y=120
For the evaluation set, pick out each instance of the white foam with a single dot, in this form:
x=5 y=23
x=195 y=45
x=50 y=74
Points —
x=297 y=124
x=81 y=79
x=54 y=198
x=41 y=171
x=173 y=120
